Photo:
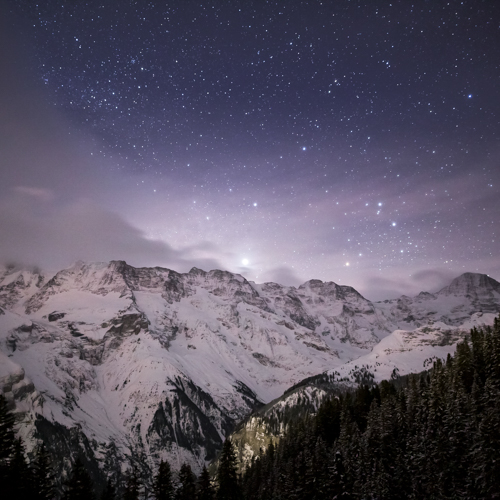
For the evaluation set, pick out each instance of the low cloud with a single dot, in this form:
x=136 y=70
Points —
x=395 y=285
x=283 y=275
x=52 y=236
x=40 y=193
x=380 y=288
x=433 y=279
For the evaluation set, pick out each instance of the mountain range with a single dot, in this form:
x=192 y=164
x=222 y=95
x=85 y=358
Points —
x=114 y=363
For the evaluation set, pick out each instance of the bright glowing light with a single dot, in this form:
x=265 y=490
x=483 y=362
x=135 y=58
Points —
x=347 y=264
x=245 y=262
x=393 y=224
x=255 y=204
x=303 y=148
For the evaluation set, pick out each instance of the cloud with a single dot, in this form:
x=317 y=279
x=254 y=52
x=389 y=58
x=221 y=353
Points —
x=433 y=279
x=40 y=193
x=41 y=153
x=283 y=275
x=55 y=236
x=376 y=287
x=379 y=288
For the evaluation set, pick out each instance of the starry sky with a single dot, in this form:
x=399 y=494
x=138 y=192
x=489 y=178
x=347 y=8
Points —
x=348 y=141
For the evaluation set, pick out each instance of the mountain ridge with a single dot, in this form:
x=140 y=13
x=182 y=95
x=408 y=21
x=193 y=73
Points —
x=149 y=361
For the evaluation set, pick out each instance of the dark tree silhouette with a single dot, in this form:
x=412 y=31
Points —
x=43 y=475
x=205 y=490
x=187 y=484
x=163 y=487
x=79 y=486
x=227 y=474
x=132 y=485
x=109 y=492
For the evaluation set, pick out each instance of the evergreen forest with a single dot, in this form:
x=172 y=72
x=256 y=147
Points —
x=433 y=435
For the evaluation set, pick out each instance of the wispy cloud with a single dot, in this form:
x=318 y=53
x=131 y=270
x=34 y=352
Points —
x=60 y=235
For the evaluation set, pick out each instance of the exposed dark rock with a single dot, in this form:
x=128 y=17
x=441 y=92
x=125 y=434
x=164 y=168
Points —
x=54 y=316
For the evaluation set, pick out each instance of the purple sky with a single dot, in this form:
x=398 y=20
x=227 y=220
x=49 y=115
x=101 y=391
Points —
x=355 y=142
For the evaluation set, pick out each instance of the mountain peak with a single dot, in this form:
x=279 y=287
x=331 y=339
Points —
x=196 y=270
x=471 y=283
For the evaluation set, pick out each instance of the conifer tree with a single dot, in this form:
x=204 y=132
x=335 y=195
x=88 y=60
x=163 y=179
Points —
x=486 y=450
x=437 y=436
x=7 y=440
x=132 y=485
x=205 y=489
x=7 y=435
x=337 y=487
x=7 y=448
x=163 y=487
x=227 y=475
x=267 y=473
x=43 y=475
x=79 y=486
x=109 y=492
x=187 y=484
x=20 y=479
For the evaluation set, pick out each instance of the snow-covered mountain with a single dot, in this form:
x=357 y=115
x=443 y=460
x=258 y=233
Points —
x=427 y=327
x=107 y=360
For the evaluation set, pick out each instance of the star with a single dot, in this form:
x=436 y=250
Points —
x=175 y=121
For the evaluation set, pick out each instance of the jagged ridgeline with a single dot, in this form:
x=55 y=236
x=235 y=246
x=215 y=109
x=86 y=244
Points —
x=431 y=435
x=112 y=364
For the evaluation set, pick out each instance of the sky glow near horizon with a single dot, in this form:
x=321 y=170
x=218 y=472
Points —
x=355 y=142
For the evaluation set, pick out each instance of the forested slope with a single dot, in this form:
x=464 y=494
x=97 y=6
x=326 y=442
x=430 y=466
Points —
x=431 y=435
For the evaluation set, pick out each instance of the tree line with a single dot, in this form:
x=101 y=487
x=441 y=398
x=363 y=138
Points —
x=35 y=480
x=431 y=435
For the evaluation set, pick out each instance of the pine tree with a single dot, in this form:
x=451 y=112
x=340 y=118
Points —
x=205 y=488
x=8 y=480
x=20 y=479
x=187 y=486
x=464 y=365
x=486 y=451
x=436 y=437
x=336 y=482
x=267 y=474
x=253 y=482
x=132 y=485
x=328 y=420
x=7 y=435
x=43 y=475
x=109 y=492
x=163 y=488
x=227 y=475
x=79 y=486
x=7 y=440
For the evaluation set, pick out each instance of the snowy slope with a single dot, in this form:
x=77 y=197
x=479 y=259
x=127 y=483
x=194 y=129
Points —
x=128 y=361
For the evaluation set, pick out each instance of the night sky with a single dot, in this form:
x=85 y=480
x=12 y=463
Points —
x=348 y=141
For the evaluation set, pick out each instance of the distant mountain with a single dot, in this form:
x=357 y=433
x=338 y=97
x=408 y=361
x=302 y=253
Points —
x=109 y=361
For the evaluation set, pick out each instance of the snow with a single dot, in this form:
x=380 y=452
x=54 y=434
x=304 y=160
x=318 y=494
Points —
x=127 y=341
x=86 y=310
